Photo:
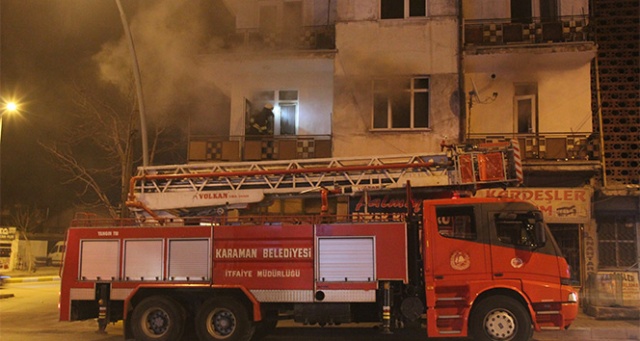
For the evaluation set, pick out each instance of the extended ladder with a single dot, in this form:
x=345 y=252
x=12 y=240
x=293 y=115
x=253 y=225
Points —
x=233 y=184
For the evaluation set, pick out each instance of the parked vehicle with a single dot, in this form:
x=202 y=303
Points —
x=3 y=278
x=56 y=254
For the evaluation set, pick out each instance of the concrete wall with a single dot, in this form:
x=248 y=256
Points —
x=370 y=48
x=312 y=78
x=563 y=91
x=315 y=12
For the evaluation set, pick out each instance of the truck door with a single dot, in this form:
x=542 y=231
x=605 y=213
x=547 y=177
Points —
x=515 y=255
x=457 y=249
x=456 y=254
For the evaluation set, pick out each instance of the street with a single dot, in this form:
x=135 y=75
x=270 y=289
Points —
x=33 y=311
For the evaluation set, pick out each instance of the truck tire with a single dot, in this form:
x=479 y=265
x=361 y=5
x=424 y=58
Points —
x=223 y=319
x=157 y=318
x=500 y=318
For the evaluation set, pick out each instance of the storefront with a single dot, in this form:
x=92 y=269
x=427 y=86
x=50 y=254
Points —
x=614 y=282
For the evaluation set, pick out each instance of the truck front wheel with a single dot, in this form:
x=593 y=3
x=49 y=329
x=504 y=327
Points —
x=500 y=318
x=223 y=319
x=157 y=318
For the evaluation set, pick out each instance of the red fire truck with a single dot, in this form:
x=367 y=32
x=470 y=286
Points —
x=488 y=268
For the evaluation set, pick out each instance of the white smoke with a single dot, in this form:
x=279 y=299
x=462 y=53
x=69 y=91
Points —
x=169 y=36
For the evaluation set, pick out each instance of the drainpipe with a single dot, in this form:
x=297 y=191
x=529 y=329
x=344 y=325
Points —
x=461 y=85
x=600 y=128
x=596 y=71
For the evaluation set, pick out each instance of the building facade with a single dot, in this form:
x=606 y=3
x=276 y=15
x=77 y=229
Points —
x=381 y=77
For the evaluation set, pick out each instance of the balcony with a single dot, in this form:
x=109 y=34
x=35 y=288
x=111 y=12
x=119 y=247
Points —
x=544 y=147
x=500 y=32
x=553 y=159
x=245 y=148
x=304 y=38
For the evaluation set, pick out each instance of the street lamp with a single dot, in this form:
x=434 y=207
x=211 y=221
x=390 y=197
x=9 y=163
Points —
x=8 y=108
x=136 y=74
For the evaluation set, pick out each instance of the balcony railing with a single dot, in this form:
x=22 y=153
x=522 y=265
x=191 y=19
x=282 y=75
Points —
x=303 y=38
x=548 y=146
x=495 y=32
x=255 y=148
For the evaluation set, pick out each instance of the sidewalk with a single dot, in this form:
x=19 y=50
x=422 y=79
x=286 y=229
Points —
x=586 y=328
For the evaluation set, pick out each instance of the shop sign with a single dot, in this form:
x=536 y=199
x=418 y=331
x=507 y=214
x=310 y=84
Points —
x=559 y=205
x=619 y=288
x=7 y=233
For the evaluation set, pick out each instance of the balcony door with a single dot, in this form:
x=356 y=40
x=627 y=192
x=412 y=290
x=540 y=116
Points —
x=521 y=11
x=288 y=119
x=549 y=10
x=268 y=19
x=288 y=103
x=292 y=21
x=525 y=117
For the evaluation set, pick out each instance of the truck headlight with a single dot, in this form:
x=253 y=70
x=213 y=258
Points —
x=573 y=297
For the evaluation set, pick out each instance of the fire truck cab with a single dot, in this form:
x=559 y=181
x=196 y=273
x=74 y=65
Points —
x=487 y=268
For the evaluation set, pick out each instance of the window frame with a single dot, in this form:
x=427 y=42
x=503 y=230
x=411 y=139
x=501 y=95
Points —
x=406 y=9
x=388 y=94
x=449 y=222
x=525 y=238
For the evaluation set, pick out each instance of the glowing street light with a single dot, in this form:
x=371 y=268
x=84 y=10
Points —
x=11 y=107
x=8 y=108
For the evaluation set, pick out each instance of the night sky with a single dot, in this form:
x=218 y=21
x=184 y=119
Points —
x=50 y=46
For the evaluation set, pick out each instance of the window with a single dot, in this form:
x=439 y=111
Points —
x=617 y=241
x=400 y=9
x=401 y=103
x=456 y=222
x=514 y=230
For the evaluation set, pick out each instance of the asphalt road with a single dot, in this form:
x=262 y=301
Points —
x=32 y=314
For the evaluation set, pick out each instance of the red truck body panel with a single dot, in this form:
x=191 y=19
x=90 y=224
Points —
x=468 y=251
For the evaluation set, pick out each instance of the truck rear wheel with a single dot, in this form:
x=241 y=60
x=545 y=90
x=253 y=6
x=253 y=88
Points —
x=500 y=318
x=157 y=318
x=223 y=319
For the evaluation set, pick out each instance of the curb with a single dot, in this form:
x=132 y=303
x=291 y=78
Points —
x=32 y=279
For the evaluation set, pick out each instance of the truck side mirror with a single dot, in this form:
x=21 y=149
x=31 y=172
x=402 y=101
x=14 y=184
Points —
x=540 y=234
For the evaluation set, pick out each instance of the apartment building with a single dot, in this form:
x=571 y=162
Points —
x=381 y=77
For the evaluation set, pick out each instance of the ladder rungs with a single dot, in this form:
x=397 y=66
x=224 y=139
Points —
x=555 y=312
x=449 y=316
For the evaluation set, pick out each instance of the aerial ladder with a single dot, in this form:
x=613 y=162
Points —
x=172 y=191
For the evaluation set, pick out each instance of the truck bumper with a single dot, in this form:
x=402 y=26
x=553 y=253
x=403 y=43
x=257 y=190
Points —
x=570 y=307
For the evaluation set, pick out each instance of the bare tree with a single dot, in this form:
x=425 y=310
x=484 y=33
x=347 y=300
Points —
x=26 y=219
x=97 y=149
